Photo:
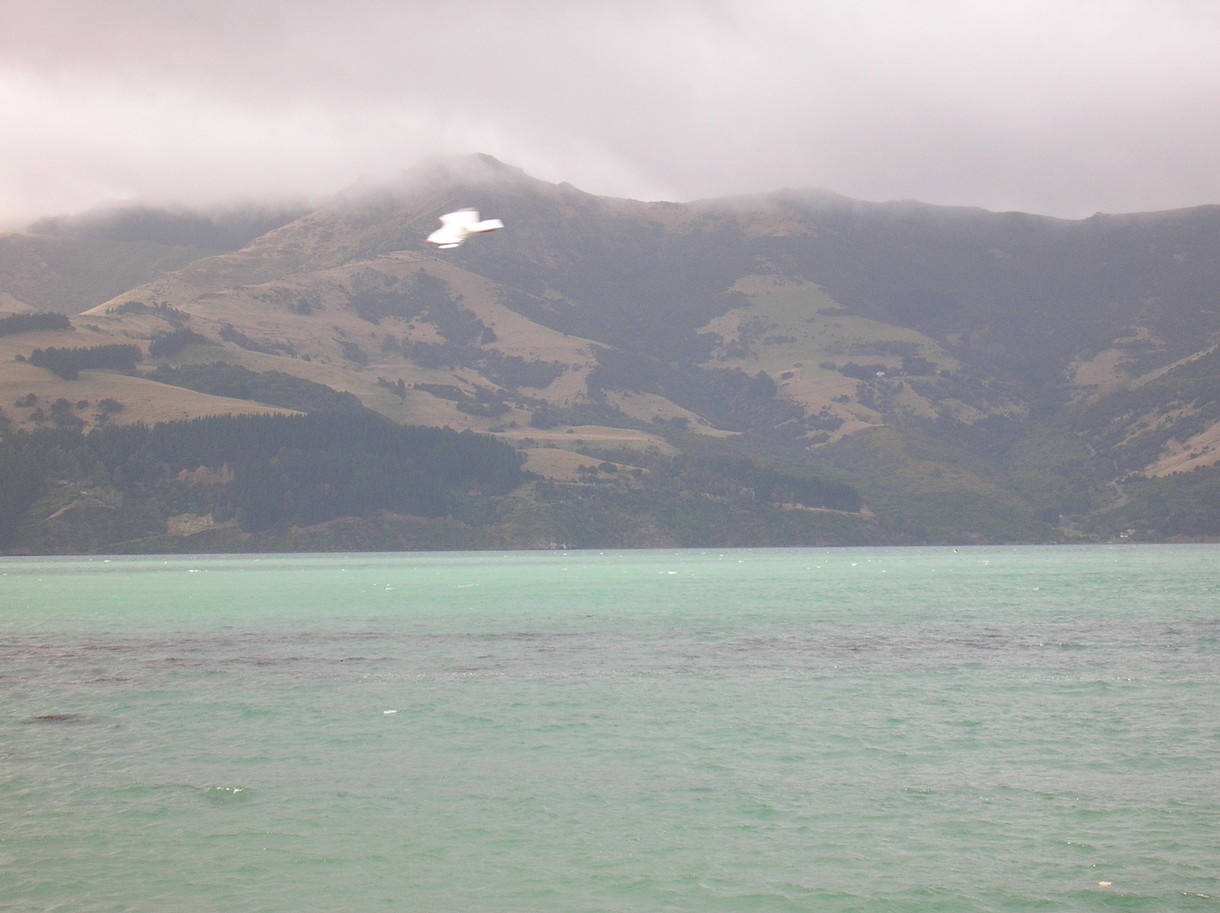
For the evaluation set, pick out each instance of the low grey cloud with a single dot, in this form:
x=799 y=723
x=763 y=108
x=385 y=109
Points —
x=1063 y=108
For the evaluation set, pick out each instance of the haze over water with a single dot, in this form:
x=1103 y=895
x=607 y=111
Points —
x=801 y=729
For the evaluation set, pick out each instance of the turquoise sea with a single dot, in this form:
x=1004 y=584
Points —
x=983 y=729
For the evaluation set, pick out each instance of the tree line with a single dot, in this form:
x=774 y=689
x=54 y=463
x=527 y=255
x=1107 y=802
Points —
x=265 y=471
x=274 y=388
x=26 y=323
x=68 y=363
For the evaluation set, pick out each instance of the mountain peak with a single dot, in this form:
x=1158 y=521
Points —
x=440 y=183
x=477 y=167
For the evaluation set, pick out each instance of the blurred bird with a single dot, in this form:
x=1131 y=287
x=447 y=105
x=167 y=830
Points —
x=456 y=227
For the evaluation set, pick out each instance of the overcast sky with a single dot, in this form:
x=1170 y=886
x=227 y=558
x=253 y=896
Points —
x=1060 y=107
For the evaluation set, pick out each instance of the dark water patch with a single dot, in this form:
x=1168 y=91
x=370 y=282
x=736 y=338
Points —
x=56 y=719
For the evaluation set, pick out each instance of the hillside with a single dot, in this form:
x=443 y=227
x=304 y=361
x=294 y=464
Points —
x=789 y=369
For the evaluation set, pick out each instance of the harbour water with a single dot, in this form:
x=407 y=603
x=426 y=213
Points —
x=983 y=729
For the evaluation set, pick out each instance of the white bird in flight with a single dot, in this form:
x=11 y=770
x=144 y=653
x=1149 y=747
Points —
x=456 y=227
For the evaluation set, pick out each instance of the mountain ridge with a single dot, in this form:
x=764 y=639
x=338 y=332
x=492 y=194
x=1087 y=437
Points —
x=977 y=376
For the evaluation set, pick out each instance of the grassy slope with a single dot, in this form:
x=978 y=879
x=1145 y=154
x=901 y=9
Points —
x=911 y=280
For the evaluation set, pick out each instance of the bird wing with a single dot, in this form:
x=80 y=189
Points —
x=461 y=217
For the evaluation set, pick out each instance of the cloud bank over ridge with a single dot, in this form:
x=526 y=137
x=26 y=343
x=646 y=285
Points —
x=1062 y=108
